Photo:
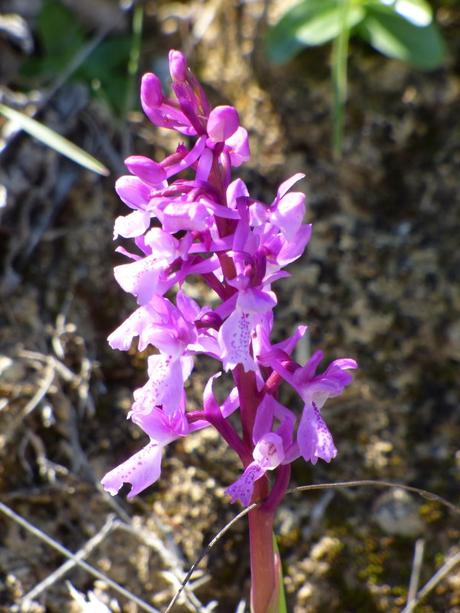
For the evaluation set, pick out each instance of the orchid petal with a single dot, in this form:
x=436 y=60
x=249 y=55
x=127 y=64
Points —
x=146 y=169
x=313 y=436
x=254 y=300
x=133 y=192
x=289 y=213
x=140 y=470
x=238 y=147
x=243 y=488
x=223 y=121
x=151 y=91
x=234 y=340
x=132 y=225
x=286 y=185
x=140 y=278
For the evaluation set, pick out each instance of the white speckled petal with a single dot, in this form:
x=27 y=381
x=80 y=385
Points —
x=139 y=278
x=165 y=385
x=140 y=470
x=234 y=340
x=242 y=488
x=132 y=225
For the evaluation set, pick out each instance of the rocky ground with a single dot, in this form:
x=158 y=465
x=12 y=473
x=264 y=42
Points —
x=380 y=282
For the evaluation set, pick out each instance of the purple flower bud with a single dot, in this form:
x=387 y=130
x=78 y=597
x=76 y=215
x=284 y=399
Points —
x=146 y=169
x=210 y=320
x=133 y=191
x=177 y=65
x=151 y=92
x=222 y=123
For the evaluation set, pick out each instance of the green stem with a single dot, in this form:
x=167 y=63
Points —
x=339 y=79
x=134 y=55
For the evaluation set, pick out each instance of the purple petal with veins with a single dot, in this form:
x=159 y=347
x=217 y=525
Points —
x=234 y=341
x=313 y=436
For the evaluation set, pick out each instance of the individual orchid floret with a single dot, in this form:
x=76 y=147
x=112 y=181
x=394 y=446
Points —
x=271 y=448
x=313 y=436
x=268 y=455
x=286 y=212
x=319 y=387
x=145 y=277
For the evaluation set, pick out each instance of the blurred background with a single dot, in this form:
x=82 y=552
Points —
x=364 y=98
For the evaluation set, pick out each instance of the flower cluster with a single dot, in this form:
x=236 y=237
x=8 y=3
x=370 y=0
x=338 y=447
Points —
x=206 y=224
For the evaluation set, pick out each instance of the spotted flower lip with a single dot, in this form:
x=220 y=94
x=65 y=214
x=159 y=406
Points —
x=187 y=220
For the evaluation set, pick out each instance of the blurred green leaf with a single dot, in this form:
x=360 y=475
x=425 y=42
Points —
x=396 y=37
x=311 y=23
x=418 y=12
x=61 y=39
x=281 y=604
x=54 y=140
x=112 y=54
x=59 y=31
x=108 y=65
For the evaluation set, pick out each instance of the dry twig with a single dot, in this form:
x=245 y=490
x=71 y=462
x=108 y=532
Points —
x=67 y=566
x=415 y=575
x=78 y=562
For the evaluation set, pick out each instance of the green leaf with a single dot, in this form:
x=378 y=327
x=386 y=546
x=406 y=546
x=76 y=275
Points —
x=396 y=37
x=111 y=55
x=281 y=604
x=58 y=30
x=54 y=140
x=311 y=23
x=60 y=37
x=418 y=12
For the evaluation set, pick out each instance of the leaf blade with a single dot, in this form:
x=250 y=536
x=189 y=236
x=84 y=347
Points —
x=396 y=37
x=309 y=24
x=55 y=141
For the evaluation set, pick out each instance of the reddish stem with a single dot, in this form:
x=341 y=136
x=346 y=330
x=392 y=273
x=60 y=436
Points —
x=263 y=569
x=249 y=401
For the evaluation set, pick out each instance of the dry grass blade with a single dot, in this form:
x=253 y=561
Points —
x=374 y=483
x=54 y=140
x=415 y=575
x=206 y=550
x=68 y=554
x=67 y=566
x=435 y=579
